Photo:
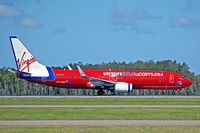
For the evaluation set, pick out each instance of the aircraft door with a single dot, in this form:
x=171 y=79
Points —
x=171 y=78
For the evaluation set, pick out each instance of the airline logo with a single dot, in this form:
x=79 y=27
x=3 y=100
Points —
x=133 y=74
x=178 y=82
x=112 y=74
x=68 y=81
x=25 y=63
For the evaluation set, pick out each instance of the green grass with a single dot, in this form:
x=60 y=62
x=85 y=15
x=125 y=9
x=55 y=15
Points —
x=120 y=129
x=91 y=113
x=99 y=101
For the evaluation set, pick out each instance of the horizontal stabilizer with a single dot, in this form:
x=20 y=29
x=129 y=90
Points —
x=26 y=74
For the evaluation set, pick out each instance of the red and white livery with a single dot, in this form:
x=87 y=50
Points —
x=30 y=69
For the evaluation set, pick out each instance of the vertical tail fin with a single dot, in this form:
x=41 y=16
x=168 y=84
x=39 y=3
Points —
x=25 y=61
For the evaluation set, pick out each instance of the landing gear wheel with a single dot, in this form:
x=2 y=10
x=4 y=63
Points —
x=100 y=92
x=173 y=93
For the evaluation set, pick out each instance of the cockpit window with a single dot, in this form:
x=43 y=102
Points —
x=181 y=77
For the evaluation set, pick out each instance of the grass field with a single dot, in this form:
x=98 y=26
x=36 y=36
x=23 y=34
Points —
x=121 y=129
x=99 y=113
x=91 y=113
x=99 y=101
x=102 y=113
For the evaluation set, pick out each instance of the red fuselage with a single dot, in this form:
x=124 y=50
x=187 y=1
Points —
x=139 y=79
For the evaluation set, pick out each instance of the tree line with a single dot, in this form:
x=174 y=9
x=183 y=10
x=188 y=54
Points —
x=11 y=85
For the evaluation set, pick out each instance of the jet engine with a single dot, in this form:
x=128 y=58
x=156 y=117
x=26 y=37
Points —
x=123 y=87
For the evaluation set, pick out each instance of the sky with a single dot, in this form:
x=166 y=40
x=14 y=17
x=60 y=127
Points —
x=59 y=32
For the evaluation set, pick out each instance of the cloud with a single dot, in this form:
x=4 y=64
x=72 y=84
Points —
x=59 y=31
x=122 y=16
x=184 y=22
x=126 y=19
x=8 y=2
x=5 y=11
x=30 y=23
x=188 y=7
x=13 y=2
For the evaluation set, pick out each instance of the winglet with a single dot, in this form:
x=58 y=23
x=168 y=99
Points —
x=81 y=72
x=69 y=67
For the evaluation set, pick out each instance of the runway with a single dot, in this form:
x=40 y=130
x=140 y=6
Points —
x=99 y=106
x=100 y=123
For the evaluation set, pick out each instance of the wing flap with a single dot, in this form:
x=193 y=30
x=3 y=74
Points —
x=95 y=81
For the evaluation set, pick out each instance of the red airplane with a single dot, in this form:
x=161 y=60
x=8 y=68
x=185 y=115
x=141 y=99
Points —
x=30 y=69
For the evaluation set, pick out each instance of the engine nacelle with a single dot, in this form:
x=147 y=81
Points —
x=123 y=87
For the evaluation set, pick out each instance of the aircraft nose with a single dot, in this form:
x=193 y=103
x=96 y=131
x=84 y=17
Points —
x=188 y=82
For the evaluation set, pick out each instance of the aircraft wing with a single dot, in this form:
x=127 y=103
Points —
x=100 y=82
x=95 y=81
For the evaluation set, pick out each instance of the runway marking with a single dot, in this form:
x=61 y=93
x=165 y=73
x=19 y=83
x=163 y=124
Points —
x=99 y=106
x=100 y=123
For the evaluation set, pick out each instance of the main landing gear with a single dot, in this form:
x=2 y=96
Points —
x=173 y=92
x=100 y=92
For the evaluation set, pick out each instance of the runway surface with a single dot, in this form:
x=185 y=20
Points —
x=99 y=106
x=100 y=123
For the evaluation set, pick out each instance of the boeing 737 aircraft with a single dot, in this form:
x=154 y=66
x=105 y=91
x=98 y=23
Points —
x=30 y=69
